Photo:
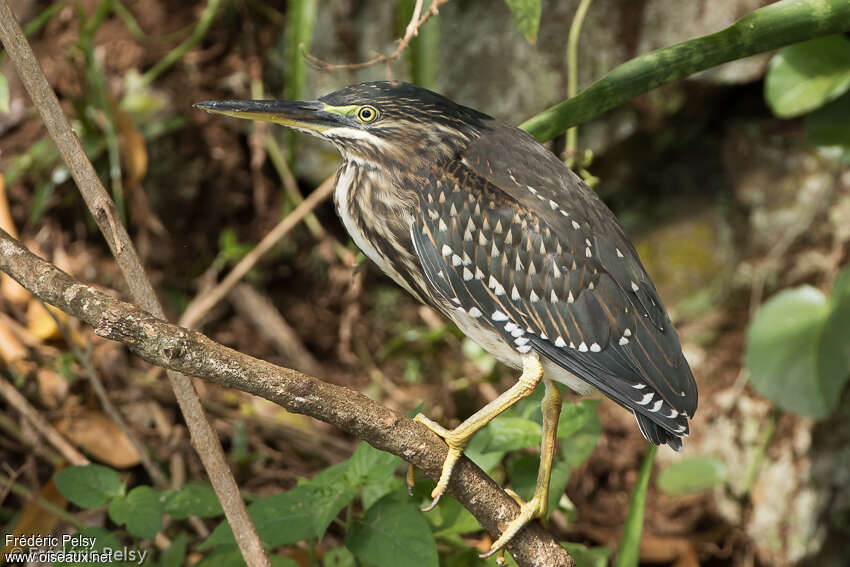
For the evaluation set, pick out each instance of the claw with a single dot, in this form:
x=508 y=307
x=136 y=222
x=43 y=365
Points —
x=527 y=511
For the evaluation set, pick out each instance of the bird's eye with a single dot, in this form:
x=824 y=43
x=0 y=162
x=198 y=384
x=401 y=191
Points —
x=366 y=114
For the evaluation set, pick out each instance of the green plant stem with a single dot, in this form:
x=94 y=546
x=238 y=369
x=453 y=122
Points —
x=572 y=75
x=770 y=27
x=41 y=502
x=204 y=23
x=629 y=552
x=758 y=457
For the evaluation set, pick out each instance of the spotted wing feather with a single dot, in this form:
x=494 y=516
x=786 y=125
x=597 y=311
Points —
x=545 y=264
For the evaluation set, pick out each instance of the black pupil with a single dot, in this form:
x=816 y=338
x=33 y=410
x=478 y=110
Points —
x=366 y=114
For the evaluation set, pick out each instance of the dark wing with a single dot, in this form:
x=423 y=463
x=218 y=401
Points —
x=545 y=263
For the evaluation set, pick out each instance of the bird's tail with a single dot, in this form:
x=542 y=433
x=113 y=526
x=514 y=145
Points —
x=656 y=434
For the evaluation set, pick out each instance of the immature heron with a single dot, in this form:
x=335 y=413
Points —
x=480 y=221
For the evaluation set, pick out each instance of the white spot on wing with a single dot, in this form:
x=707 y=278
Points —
x=533 y=297
x=467 y=274
x=595 y=347
x=576 y=225
x=582 y=347
x=442 y=226
x=515 y=294
x=475 y=312
x=646 y=399
x=456 y=261
x=499 y=316
x=635 y=286
x=559 y=342
x=447 y=251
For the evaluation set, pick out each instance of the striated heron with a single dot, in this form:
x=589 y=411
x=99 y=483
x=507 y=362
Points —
x=480 y=221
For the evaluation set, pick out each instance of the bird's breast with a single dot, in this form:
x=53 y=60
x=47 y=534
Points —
x=376 y=218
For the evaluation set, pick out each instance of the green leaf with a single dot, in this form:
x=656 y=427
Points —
x=331 y=493
x=191 y=499
x=393 y=533
x=524 y=469
x=478 y=451
x=692 y=474
x=140 y=511
x=512 y=433
x=629 y=552
x=791 y=359
x=338 y=557
x=527 y=17
x=281 y=519
x=575 y=416
x=4 y=94
x=588 y=556
x=370 y=466
x=175 y=555
x=828 y=125
x=449 y=518
x=102 y=539
x=807 y=75
x=576 y=447
x=89 y=486
x=224 y=556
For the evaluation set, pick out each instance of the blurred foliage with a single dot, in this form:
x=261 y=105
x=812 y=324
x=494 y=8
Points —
x=807 y=75
x=527 y=17
x=423 y=51
x=798 y=348
x=692 y=474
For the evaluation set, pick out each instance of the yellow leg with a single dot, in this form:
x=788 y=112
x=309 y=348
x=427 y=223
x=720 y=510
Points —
x=458 y=437
x=536 y=507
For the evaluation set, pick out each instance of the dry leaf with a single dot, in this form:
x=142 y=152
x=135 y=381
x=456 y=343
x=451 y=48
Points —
x=40 y=323
x=100 y=437
x=12 y=351
x=52 y=387
x=35 y=520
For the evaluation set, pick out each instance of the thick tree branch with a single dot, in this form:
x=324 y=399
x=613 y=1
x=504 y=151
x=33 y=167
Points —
x=103 y=210
x=192 y=353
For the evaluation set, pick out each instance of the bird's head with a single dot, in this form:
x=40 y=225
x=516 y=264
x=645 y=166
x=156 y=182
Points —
x=387 y=123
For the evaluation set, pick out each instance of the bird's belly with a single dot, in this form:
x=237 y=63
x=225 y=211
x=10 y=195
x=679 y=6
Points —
x=491 y=341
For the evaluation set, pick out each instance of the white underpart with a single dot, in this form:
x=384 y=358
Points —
x=341 y=198
x=491 y=341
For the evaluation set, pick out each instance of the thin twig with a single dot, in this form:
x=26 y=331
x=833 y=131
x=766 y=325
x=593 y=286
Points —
x=190 y=352
x=84 y=357
x=201 y=305
x=103 y=210
x=32 y=415
x=410 y=32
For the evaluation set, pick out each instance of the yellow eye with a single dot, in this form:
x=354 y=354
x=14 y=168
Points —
x=367 y=114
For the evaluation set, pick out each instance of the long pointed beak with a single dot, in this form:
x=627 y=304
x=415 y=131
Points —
x=303 y=115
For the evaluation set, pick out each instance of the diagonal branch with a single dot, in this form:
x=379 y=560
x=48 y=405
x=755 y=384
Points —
x=192 y=353
x=103 y=210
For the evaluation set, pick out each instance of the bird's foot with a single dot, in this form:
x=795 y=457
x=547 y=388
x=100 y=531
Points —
x=534 y=508
x=457 y=443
